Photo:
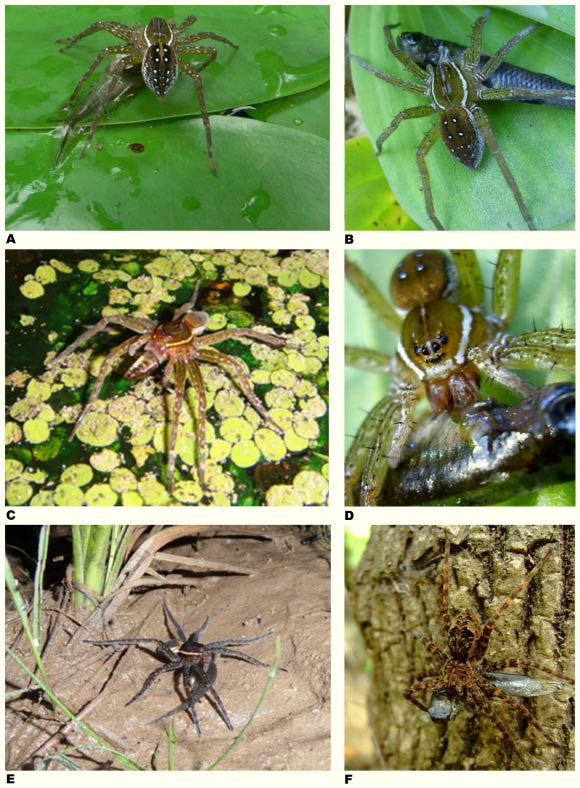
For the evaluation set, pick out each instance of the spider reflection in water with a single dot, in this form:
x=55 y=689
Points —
x=181 y=345
x=197 y=663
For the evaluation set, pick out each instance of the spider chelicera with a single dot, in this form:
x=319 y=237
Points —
x=455 y=84
x=159 y=49
x=447 y=343
x=466 y=677
x=181 y=345
x=195 y=661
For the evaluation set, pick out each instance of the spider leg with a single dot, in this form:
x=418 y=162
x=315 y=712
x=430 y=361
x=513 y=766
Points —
x=515 y=705
x=235 y=369
x=216 y=701
x=548 y=349
x=445 y=600
x=485 y=128
x=403 y=57
x=198 y=384
x=193 y=72
x=115 y=28
x=433 y=649
x=180 y=374
x=200 y=37
x=234 y=654
x=130 y=344
x=481 y=647
x=429 y=682
x=373 y=297
x=247 y=333
x=151 y=678
x=380 y=442
x=506 y=280
x=187 y=22
x=403 y=84
x=525 y=663
x=137 y=324
x=171 y=617
x=187 y=307
x=477 y=700
x=431 y=136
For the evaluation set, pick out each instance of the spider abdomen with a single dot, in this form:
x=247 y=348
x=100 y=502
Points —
x=464 y=636
x=159 y=67
x=461 y=136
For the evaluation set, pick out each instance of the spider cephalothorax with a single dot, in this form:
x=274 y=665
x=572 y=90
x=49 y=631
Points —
x=448 y=342
x=158 y=49
x=464 y=675
x=197 y=663
x=182 y=345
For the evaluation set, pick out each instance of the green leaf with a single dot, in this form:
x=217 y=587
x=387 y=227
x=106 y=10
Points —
x=283 y=51
x=537 y=141
x=370 y=203
x=307 y=111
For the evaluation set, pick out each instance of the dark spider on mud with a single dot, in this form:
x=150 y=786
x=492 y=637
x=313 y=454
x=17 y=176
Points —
x=195 y=661
x=465 y=676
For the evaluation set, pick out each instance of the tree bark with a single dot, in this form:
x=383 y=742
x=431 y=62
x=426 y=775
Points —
x=397 y=595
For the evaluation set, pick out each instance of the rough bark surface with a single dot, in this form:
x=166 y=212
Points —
x=397 y=595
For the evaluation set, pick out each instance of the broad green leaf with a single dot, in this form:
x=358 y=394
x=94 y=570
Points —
x=537 y=141
x=283 y=51
x=308 y=111
x=257 y=186
x=370 y=204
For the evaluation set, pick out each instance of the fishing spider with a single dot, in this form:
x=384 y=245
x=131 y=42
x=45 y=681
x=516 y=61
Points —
x=466 y=676
x=447 y=341
x=180 y=344
x=159 y=49
x=195 y=661
x=455 y=84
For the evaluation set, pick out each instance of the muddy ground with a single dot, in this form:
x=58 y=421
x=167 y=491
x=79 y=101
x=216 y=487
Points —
x=288 y=590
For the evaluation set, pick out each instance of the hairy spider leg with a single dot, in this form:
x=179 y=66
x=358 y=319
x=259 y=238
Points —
x=428 y=682
x=234 y=367
x=478 y=701
x=140 y=325
x=481 y=646
x=197 y=381
x=193 y=72
x=177 y=625
x=133 y=344
x=445 y=592
x=515 y=705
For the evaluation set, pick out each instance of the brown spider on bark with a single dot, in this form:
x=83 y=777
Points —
x=180 y=344
x=195 y=661
x=464 y=673
x=158 y=48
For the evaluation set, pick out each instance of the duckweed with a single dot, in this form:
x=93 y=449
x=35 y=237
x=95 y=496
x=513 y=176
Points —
x=79 y=474
x=101 y=495
x=18 y=493
x=97 y=429
x=68 y=495
x=32 y=289
x=36 y=430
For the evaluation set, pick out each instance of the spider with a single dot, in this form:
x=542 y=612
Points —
x=180 y=344
x=455 y=85
x=159 y=49
x=195 y=661
x=447 y=341
x=466 y=676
